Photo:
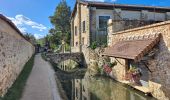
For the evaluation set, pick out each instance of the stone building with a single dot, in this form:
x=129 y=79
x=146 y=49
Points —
x=15 y=51
x=146 y=48
x=89 y=20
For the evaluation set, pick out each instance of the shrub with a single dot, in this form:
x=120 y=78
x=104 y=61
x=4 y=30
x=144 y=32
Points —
x=94 y=45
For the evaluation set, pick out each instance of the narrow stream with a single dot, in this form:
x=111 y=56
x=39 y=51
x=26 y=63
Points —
x=99 y=88
x=82 y=85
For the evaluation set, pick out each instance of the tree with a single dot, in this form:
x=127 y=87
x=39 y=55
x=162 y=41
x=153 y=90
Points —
x=30 y=37
x=61 y=23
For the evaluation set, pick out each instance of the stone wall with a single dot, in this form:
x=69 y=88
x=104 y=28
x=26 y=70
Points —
x=118 y=71
x=85 y=17
x=15 y=51
x=58 y=58
x=159 y=83
x=92 y=33
x=83 y=37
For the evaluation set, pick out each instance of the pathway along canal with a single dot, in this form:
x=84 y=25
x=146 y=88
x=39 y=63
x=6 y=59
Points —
x=87 y=87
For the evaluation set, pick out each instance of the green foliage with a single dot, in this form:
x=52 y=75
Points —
x=100 y=70
x=94 y=45
x=61 y=22
x=15 y=92
x=30 y=38
x=132 y=69
x=111 y=65
x=41 y=41
x=67 y=47
x=53 y=46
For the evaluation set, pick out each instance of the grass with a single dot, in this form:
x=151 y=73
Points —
x=15 y=92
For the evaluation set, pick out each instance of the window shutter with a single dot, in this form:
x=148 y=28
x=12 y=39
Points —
x=84 y=25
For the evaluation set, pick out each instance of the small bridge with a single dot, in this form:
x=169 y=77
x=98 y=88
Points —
x=59 y=57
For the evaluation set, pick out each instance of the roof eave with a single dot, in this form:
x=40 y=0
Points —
x=75 y=7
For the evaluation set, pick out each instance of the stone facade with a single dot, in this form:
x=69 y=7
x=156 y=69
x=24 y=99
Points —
x=15 y=51
x=80 y=37
x=89 y=12
x=159 y=77
x=58 y=58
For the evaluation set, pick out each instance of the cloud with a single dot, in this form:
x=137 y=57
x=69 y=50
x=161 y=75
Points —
x=21 y=21
x=22 y=29
x=38 y=36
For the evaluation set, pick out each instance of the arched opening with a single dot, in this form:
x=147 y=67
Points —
x=68 y=65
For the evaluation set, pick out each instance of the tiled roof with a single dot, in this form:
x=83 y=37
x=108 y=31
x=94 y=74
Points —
x=133 y=47
x=112 y=5
x=95 y=3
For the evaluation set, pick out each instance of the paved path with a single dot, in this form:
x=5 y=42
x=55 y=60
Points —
x=41 y=84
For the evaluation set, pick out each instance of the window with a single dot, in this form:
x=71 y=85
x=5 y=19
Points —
x=83 y=41
x=76 y=43
x=75 y=30
x=83 y=27
x=103 y=21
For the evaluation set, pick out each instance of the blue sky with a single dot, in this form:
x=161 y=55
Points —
x=32 y=15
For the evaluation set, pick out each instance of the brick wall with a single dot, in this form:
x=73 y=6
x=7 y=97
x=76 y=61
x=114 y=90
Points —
x=15 y=51
x=159 y=79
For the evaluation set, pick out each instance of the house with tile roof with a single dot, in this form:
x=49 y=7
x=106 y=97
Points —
x=89 y=20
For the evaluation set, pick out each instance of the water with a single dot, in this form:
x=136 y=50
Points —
x=100 y=88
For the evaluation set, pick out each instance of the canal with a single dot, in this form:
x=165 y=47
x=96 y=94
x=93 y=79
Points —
x=88 y=87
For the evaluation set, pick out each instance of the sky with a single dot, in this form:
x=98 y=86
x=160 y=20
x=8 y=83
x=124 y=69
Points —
x=32 y=16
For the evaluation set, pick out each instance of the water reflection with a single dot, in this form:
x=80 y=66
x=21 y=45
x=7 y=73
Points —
x=101 y=88
x=68 y=65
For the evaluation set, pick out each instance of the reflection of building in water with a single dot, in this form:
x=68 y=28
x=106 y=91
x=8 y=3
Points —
x=85 y=91
x=81 y=91
x=103 y=89
x=78 y=89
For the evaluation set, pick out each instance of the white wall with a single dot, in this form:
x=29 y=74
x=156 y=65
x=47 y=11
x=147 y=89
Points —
x=131 y=14
x=156 y=16
x=101 y=12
